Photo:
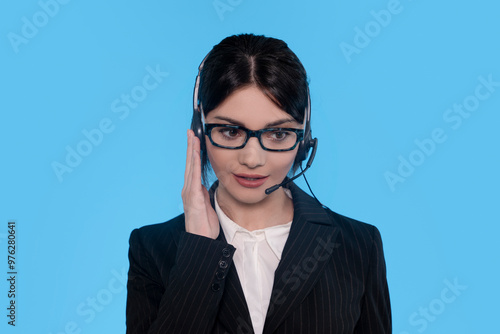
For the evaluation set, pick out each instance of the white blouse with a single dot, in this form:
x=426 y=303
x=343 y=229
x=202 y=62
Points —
x=256 y=258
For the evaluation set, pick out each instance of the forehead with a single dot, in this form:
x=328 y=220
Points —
x=251 y=108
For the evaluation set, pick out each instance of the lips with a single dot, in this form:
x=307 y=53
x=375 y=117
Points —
x=250 y=180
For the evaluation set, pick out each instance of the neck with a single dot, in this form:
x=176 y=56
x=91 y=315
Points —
x=274 y=209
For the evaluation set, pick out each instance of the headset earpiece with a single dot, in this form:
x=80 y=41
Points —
x=196 y=122
x=306 y=143
x=197 y=127
x=303 y=150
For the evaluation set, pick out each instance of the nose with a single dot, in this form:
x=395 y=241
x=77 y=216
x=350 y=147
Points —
x=252 y=155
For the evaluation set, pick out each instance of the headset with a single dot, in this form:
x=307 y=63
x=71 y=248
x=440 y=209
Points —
x=305 y=144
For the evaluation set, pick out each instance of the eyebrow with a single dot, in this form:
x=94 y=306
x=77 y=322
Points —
x=270 y=124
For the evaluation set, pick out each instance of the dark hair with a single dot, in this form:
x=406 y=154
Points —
x=247 y=59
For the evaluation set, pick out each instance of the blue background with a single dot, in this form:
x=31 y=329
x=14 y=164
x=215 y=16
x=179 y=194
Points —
x=64 y=66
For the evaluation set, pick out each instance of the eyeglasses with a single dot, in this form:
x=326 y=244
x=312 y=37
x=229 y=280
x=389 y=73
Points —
x=235 y=137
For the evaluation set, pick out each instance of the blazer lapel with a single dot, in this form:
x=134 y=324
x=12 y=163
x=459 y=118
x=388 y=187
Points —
x=309 y=245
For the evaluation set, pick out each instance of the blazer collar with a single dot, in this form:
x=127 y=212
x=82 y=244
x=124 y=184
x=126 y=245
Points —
x=311 y=242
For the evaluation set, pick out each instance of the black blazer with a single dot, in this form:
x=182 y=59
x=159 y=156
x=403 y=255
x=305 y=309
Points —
x=331 y=278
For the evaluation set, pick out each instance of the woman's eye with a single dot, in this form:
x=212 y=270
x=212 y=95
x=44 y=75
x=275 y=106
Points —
x=279 y=135
x=229 y=132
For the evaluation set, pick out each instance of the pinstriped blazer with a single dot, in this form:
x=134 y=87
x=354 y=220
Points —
x=331 y=278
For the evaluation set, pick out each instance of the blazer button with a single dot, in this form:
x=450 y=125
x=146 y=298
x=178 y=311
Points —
x=216 y=287
x=222 y=264
x=226 y=252
x=220 y=275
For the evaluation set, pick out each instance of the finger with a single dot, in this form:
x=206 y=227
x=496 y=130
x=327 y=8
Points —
x=187 y=188
x=189 y=158
x=208 y=206
x=191 y=185
x=196 y=177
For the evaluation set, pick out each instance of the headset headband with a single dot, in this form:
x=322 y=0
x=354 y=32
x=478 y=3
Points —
x=197 y=123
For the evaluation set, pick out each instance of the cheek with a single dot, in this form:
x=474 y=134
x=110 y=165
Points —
x=289 y=160
x=221 y=160
x=282 y=162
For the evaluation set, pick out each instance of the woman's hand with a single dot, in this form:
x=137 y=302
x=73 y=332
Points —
x=200 y=217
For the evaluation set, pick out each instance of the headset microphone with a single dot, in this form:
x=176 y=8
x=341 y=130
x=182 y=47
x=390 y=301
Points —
x=314 y=144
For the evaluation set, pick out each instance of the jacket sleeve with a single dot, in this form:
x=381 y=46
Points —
x=186 y=302
x=376 y=308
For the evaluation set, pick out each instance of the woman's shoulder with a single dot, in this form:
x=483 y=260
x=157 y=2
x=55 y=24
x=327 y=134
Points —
x=168 y=230
x=353 y=228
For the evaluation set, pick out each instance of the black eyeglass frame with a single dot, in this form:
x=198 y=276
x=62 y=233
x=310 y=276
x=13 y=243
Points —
x=251 y=133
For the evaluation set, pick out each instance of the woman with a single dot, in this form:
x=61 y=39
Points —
x=240 y=259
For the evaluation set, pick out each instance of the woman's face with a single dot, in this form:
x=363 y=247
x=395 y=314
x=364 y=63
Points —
x=237 y=170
